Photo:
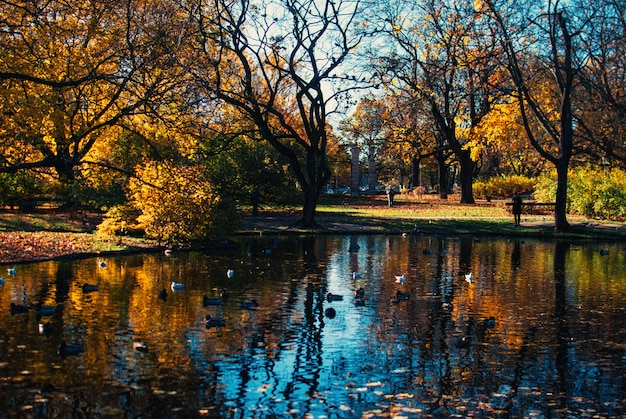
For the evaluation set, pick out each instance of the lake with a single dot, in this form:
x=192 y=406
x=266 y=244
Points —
x=539 y=330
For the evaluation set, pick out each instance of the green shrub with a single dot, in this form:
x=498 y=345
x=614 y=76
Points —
x=590 y=192
x=503 y=186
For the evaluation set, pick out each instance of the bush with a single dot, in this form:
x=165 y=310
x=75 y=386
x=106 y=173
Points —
x=173 y=204
x=503 y=186
x=590 y=192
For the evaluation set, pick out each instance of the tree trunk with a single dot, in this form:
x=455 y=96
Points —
x=416 y=178
x=560 y=207
x=466 y=177
x=309 y=208
x=443 y=175
x=372 y=178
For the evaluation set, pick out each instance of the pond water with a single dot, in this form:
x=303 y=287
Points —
x=539 y=332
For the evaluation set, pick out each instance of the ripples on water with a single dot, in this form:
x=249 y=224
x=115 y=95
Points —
x=540 y=332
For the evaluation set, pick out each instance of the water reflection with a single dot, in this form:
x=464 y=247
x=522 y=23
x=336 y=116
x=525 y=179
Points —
x=540 y=332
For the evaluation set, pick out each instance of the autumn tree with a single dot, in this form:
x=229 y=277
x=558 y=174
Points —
x=275 y=63
x=547 y=69
x=71 y=71
x=602 y=91
x=445 y=55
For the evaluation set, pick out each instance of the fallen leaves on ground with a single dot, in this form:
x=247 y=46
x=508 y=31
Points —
x=43 y=245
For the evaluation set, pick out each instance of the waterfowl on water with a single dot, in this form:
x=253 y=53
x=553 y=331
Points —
x=249 y=304
x=45 y=329
x=177 y=286
x=357 y=275
x=68 y=349
x=46 y=310
x=12 y=271
x=1 y=280
x=163 y=294
x=214 y=321
x=230 y=273
x=212 y=301
x=19 y=308
x=469 y=278
x=102 y=264
x=400 y=279
x=334 y=297
x=330 y=312
x=402 y=296
x=360 y=293
x=90 y=287
x=140 y=346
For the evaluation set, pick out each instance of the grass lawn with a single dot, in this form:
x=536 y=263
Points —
x=49 y=234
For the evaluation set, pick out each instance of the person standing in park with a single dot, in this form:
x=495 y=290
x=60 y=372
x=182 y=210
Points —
x=517 y=209
x=390 y=194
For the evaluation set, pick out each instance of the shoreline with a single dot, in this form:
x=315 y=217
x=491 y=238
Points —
x=19 y=247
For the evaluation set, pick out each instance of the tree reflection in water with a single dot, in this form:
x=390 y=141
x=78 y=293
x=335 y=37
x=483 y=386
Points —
x=540 y=332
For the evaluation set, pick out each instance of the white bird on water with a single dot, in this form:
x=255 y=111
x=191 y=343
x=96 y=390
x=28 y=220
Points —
x=12 y=271
x=400 y=279
x=356 y=275
x=230 y=273
x=469 y=278
x=102 y=263
x=177 y=286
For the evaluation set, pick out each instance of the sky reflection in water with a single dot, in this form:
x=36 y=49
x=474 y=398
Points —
x=556 y=346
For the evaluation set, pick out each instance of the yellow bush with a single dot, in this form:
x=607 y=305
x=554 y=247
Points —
x=178 y=204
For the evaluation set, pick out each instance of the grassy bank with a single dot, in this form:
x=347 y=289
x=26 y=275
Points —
x=47 y=235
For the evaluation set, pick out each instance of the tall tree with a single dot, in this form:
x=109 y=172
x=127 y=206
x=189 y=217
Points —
x=444 y=53
x=546 y=66
x=69 y=71
x=275 y=63
x=602 y=94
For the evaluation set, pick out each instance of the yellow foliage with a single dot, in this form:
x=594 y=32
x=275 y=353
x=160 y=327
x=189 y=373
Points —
x=175 y=204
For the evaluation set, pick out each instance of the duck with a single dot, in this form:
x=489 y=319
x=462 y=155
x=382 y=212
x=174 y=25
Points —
x=177 y=286
x=167 y=252
x=249 y=305
x=163 y=294
x=357 y=275
x=140 y=346
x=214 y=321
x=45 y=328
x=400 y=279
x=330 y=313
x=102 y=264
x=469 y=278
x=1 y=280
x=402 y=296
x=90 y=287
x=230 y=273
x=68 y=349
x=12 y=271
x=46 y=310
x=334 y=297
x=19 y=308
x=212 y=301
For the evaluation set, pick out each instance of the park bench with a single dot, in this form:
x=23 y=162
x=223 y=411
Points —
x=532 y=207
